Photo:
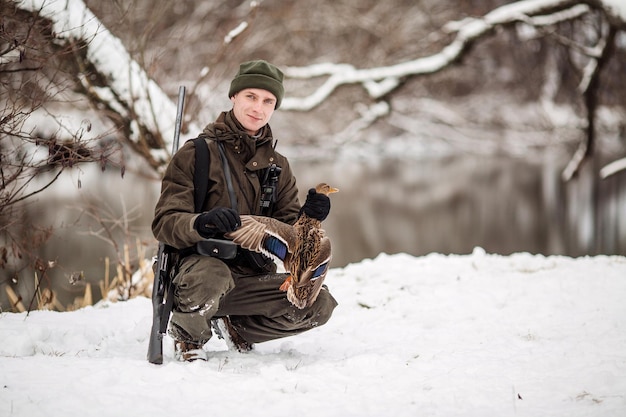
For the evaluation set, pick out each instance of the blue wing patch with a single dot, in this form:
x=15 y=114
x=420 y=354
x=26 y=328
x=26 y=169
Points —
x=319 y=271
x=275 y=247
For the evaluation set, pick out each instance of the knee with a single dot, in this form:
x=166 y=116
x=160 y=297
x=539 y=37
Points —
x=323 y=307
x=203 y=275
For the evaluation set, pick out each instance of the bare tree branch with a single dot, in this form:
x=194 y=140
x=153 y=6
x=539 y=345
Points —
x=589 y=87
x=111 y=79
x=381 y=81
x=613 y=168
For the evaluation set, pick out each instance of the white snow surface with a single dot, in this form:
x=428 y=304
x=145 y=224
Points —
x=439 y=335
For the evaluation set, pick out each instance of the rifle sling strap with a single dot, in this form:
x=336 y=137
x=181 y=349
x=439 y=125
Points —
x=228 y=176
x=201 y=174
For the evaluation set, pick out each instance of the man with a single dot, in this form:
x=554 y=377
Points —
x=238 y=298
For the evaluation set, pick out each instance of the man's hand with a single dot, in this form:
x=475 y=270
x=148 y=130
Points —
x=316 y=205
x=218 y=219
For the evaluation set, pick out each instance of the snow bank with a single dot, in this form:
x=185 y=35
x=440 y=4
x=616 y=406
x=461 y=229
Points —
x=471 y=335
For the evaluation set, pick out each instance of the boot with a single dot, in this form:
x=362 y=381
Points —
x=189 y=351
x=224 y=329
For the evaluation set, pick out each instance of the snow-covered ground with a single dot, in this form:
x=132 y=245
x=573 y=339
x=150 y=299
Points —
x=439 y=335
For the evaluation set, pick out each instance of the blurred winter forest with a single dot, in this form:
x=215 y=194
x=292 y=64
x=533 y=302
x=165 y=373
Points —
x=445 y=124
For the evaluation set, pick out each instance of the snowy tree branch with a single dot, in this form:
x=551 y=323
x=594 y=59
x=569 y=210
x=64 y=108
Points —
x=112 y=80
x=589 y=89
x=382 y=80
x=378 y=82
x=613 y=168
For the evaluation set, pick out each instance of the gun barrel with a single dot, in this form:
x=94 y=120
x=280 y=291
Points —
x=161 y=285
x=179 y=118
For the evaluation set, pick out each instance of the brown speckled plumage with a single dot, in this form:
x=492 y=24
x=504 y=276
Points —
x=303 y=248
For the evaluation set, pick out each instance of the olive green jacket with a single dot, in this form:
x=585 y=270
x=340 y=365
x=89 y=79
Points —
x=247 y=156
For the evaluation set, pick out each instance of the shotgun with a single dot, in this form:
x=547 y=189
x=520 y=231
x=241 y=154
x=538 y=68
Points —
x=162 y=290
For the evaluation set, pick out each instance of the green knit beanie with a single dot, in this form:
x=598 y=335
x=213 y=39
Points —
x=259 y=74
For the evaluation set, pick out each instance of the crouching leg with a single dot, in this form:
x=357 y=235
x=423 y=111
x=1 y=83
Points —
x=198 y=287
x=259 y=311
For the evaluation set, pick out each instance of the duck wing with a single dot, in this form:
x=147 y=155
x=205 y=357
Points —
x=310 y=281
x=266 y=235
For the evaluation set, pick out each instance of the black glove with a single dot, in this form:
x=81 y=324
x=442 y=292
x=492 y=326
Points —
x=316 y=205
x=218 y=219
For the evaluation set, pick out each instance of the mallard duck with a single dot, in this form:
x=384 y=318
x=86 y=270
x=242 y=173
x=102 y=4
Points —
x=304 y=250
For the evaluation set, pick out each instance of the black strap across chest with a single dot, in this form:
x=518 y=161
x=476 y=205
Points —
x=201 y=174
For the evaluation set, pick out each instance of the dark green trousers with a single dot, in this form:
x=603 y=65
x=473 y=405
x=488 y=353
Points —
x=205 y=288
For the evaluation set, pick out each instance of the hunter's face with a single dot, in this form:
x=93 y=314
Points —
x=253 y=108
